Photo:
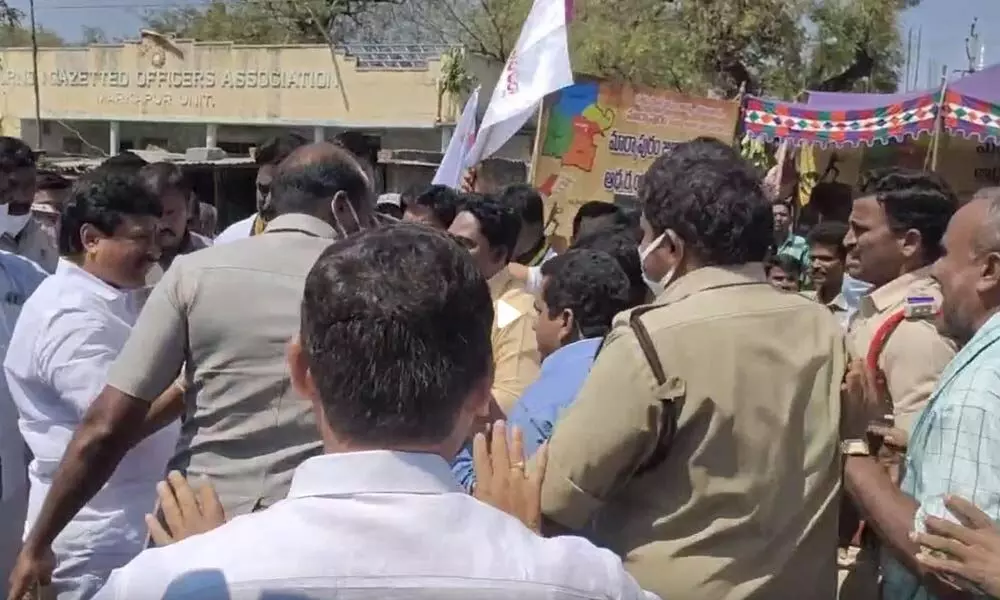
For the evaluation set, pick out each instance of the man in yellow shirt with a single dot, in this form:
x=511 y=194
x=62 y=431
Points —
x=489 y=229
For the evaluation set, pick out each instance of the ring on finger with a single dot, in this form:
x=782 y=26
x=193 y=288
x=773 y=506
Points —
x=518 y=466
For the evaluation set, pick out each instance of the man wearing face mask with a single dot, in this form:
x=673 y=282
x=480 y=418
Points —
x=19 y=277
x=19 y=233
x=703 y=447
x=246 y=428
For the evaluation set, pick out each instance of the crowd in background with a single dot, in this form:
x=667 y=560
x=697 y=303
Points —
x=425 y=395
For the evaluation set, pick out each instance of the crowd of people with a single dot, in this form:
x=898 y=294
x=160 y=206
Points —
x=426 y=397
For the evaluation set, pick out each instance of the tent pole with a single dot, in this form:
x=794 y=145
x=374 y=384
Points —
x=930 y=162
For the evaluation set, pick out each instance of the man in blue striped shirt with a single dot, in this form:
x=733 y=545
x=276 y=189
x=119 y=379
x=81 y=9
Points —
x=582 y=291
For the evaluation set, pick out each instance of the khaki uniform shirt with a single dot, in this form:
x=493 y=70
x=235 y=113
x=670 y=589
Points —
x=33 y=243
x=516 y=361
x=838 y=306
x=227 y=313
x=744 y=504
x=915 y=353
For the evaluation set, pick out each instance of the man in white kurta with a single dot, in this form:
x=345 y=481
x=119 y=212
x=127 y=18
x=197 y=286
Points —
x=69 y=332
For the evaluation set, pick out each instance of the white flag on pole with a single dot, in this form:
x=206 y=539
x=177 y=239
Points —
x=538 y=66
x=449 y=172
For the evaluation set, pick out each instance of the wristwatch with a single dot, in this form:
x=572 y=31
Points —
x=855 y=447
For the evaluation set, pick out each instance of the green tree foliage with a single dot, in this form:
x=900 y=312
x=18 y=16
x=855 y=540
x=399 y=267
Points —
x=774 y=47
x=18 y=36
x=263 y=21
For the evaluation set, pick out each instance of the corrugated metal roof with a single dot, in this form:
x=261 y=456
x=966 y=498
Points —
x=85 y=163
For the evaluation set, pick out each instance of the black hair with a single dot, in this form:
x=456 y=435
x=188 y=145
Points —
x=589 y=283
x=15 y=154
x=420 y=308
x=621 y=244
x=526 y=201
x=163 y=177
x=441 y=200
x=103 y=200
x=498 y=221
x=50 y=180
x=595 y=209
x=830 y=234
x=705 y=192
x=407 y=196
x=786 y=263
x=913 y=199
x=277 y=149
x=303 y=188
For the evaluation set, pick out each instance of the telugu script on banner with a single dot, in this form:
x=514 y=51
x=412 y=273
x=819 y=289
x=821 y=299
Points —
x=598 y=139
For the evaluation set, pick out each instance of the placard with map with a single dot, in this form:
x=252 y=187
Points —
x=597 y=139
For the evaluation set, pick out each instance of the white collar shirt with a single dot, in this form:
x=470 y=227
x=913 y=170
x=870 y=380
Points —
x=375 y=525
x=237 y=231
x=68 y=334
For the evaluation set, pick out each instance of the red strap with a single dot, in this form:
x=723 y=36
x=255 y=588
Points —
x=878 y=343
x=880 y=339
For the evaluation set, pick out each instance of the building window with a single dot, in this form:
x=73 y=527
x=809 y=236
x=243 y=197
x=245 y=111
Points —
x=235 y=148
x=161 y=143
x=72 y=145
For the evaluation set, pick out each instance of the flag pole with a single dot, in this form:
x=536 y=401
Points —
x=536 y=148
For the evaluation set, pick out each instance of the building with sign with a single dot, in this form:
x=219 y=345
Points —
x=178 y=94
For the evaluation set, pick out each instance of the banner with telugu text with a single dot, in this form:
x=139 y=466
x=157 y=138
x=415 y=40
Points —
x=597 y=139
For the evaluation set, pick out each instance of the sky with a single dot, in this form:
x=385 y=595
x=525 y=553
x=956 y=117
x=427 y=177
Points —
x=943 y=26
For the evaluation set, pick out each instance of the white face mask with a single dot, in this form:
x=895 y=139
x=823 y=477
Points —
x=14 y=224
x=338 y=225
x=657 y=287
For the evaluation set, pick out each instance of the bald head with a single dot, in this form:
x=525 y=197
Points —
x=984 y=213
x=314 y=175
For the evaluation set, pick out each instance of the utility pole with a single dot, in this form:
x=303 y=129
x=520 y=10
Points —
x=971 y=47
x=909 y=52
x=35 y=76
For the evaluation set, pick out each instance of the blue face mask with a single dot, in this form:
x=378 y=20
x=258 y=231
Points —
x=853 y=289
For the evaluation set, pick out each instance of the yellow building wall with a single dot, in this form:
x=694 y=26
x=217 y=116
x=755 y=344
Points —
x=222 y=83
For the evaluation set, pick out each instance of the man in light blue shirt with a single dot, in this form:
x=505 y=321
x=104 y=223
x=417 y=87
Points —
x=18 y=279
x=954 y=446
x=582 y=291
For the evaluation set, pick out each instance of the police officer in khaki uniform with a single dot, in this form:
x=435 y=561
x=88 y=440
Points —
x=703 y=447
x=226 y=313
x=489 y=229
x=894 y=236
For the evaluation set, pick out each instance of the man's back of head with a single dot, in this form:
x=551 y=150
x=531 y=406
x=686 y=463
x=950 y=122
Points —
x=711 y=199
x=415 y=301
x=324 y=181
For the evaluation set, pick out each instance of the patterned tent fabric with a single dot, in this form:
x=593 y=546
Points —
x=971 y=118
x=800 y=124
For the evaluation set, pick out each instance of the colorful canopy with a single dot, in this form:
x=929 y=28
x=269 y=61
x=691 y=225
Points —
x=971 y=109
x=801 y=123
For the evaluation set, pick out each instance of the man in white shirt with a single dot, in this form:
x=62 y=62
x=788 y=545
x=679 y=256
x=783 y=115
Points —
x=379 y=514
x=69 y=333
x=268 y=157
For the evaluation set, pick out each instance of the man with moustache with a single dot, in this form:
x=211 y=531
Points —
x=894 y=235
x=954 y=442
